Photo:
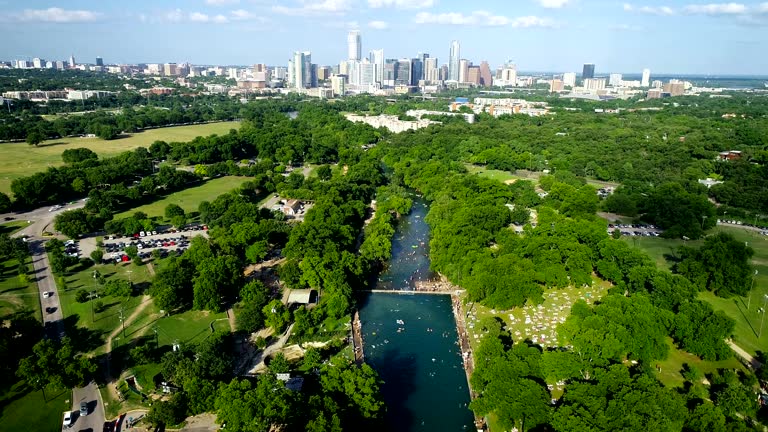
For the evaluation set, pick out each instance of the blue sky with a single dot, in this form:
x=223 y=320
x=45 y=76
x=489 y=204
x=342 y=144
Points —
x=539 y=35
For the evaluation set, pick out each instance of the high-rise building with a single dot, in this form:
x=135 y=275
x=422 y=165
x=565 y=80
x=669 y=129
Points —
x=453 y=61
x=417 y=71
x=657 y=84
x=323 y=73
x=444 y=74
x=646 y=80
x=99 y=61
x=59 y=64
x=38 y=63
x=473 y=75
x=614 y=79
x=507 y=75
x=390 y=66
x=569 y=79
x=588 y=71
x=169 y=69
x=674 y=87
x=556 y=85
x=354 y=45
x=594 y=84
x=337 y=85
x=485 y=74
x=301 y=70
x=377 y=58
x=403 y=72
x=431 y=71
x=463 y=69
x=72 y=63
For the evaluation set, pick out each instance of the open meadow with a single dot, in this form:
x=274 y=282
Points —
x=189 y=199
x=21 y=159
x=743 y=310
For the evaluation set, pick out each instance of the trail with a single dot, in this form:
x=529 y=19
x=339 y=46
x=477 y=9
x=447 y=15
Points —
x=257 y=364
x=743 y=354
x=145 y=301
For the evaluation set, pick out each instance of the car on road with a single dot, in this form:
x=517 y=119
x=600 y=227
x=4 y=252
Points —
x=68 y=420
x=47 y=294
x=83 y=409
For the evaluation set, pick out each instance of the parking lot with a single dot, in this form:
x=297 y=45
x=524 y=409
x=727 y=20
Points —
x=635 y=230
x=115 y=245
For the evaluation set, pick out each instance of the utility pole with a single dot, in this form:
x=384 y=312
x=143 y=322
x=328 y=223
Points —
x=765 y=300
x=122 y=319
x=749 y=301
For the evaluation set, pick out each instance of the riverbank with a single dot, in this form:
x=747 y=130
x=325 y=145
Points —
x=467 y=356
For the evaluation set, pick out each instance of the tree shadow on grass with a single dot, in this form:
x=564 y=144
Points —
x=83 y=339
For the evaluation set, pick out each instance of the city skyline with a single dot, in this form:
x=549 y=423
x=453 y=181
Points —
x=543 y=35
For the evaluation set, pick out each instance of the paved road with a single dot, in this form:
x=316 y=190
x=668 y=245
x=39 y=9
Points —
x=94 y=421
x=743 y=354
x=257 y=364
x=51 y=306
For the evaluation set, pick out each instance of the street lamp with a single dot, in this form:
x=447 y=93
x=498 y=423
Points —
x=749 y=301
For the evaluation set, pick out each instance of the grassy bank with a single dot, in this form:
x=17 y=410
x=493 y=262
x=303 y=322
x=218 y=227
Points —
x=21 y=159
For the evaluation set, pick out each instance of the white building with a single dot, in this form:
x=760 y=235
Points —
x=594 y=84
x=646 y=80
x=431 y=70
x=569 y=79
x=337 y=85
x=614 y=80
x=354 y=45
x=463 y=70
x=377 y=58
x=453 y=61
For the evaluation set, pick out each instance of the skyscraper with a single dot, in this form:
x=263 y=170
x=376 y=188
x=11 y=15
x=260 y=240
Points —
x=99 y=61
x=646 y=80
x=403 y=72
x=431 y=71
x=377 y=58
x=453 y=61
x=485 y=74
x=72 y=61
x=614 y=79
x=301 y=70
x=588 y=71
x=354 y=45
x=569 y=79
x=417 y=71
x=464 y=69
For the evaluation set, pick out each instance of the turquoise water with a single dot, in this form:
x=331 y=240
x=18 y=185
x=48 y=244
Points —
x=425 y=387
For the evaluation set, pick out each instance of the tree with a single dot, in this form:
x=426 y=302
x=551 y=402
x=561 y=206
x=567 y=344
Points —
x=167 y=413
x=77 y=155
x=35 y=137
x=57 y=365
x=721 y=265
x=5 y=203
x=257 y=251
x=312 y=358
x=247 y=409
x=217 y=277
x=201 y=170
x=172 y=210
x=279 y=364
x=324 y=172
x=132 y=251
x=81 y=296
x=97 y=255
x=276 y=315
x=73 y=223
x=179 y=221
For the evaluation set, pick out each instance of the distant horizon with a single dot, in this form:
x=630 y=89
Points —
x=538 y=35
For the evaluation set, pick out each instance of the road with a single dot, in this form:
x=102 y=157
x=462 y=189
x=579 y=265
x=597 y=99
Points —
x=94 y=421
x=258 y=361
x=743 y=354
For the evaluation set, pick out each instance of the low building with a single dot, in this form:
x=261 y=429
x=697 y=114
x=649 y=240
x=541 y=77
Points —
x=302 y=296
x=708 y=182
x=729 y=155
x=292 y=207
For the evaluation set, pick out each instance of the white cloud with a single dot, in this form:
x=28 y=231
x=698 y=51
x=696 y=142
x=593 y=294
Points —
x=401 y=4
x=553 y=4
x=198 y=17
x=378 y=25
x=244 y=15
x=716 y=9
x=625 y=27
x=650 y=10
x=175 y=15
x=58 y=15
x=762 y=8
x=315 y=7
x=481 y=18
x=221 y=2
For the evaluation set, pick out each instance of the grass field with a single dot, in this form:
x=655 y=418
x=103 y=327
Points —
x=499 y=175
x=30 y=411
x=747 y=318
x=14 y=296
x=11 y=227
x=670 y=374
x=21 y=159
x=189 y=199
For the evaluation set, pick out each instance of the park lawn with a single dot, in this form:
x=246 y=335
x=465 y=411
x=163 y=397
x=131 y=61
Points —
x=671 y=368
x=24 y=410
x=502 y=176
x=189 y=327
x=14 y=296
x=11 y=227
x=21 y=159
x=108 y=319
x=189 y=199
x=747 y=328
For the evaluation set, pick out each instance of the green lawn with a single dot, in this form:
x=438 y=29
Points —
x=499 y=175
x=11 y=227
x=671 y=368
x=21 y=159
x=189 y=327
x=189 y=199
x=747 y=319
x=108 y=319
x=30 y=411
x=14 y=296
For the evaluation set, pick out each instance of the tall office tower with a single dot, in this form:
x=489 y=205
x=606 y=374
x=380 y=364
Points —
x=444 y=74
x=588 y=71
x=367 y=73
x=403 y=72
x=614 y=80
x=594 y=84
x=99 y=61
x=38 y=63
x=169 y=69
x=473 y=75
x=59 y=64
x=390 y=72
x=569 y=79
x=337 y=85
x=323 y=73
x=423 y=58
x=485 y=74
x=312 y=75
x=463 y=69
x=72 y=61
x=507 y=74
x=431 y=71
x=306 y=70
x=377 y=58
x=354 y=45
x=353 y=72
x=417 y=71
x=453 y=61
x=646 y=80
x=299 y=73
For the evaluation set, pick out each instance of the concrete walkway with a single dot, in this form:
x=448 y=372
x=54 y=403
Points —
x=745 y=355
x=257 y=364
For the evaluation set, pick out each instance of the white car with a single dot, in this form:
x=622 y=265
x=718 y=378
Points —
x=68 y=420
x=47 y=294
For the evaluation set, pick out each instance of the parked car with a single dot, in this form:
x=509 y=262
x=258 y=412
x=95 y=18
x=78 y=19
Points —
x=47 y=294
x=68 y=419
x=83 y=409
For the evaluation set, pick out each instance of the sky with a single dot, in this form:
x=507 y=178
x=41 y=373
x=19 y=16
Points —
x=669 y=37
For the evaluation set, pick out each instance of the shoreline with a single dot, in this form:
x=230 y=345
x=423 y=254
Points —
x=467 y=355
